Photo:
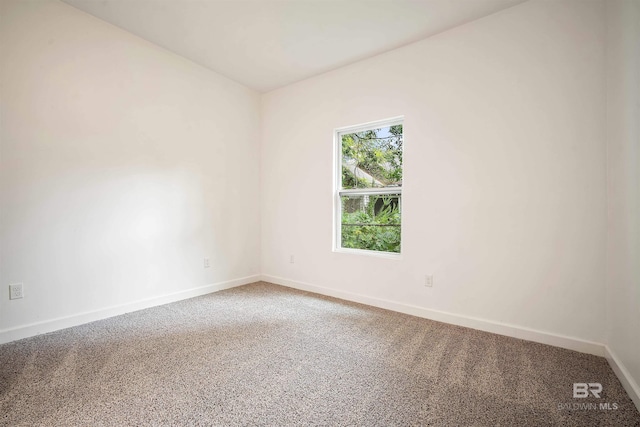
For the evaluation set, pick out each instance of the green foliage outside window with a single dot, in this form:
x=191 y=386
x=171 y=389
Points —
x=371 y=159
x=377 y=153
x=366 y=229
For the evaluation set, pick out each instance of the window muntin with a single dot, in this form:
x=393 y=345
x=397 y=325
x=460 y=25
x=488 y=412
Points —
x=369 y=187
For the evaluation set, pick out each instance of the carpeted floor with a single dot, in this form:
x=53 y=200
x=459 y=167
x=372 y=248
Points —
x=262 y=354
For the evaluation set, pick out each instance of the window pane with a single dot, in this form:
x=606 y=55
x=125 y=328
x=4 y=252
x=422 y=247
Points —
x=371 y=222
x=372 y=158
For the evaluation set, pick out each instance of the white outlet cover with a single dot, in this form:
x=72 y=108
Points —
x=428 y=281
x=16 y=291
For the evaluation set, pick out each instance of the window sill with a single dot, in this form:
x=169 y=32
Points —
x=364 y=252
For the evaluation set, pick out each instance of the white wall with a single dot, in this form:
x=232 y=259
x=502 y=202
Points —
x=504 y=191
x=122 y=166
x=623 y=150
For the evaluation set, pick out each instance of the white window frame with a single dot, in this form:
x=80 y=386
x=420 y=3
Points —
x=338 y=192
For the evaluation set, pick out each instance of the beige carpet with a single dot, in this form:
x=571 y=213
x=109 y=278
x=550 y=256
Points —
x=263 y=354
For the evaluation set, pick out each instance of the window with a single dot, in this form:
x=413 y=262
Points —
x=368 y=194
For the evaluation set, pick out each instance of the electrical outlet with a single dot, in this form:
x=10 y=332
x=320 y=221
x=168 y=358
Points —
x=207 y=263
x=15 y=291
x=292 y=259
x=428 y=281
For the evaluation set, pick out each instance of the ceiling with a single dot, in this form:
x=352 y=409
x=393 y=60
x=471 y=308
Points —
x=266 y=44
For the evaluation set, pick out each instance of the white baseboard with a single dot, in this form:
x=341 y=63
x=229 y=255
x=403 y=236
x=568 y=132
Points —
x=630 y=385
x=25 y=331
x=514 y=331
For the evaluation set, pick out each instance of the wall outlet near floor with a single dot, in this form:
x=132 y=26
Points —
x=207 y=262
x=428 y=281
x=15 y=291
x=292 y=259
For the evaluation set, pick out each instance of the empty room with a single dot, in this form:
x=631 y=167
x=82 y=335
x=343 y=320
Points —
x=320 y=212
